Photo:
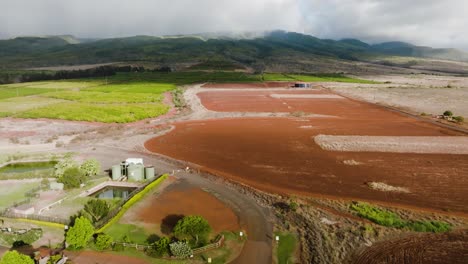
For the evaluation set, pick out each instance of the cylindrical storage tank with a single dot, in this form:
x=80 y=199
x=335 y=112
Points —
x=116 y=172
x=149 y=173
x=136 y=172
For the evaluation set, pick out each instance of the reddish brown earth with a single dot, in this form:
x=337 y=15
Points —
x=180 y=200
x=261 y=101
x=279 y=154
x=87 y=257
x=249 y=85
x=419 y=249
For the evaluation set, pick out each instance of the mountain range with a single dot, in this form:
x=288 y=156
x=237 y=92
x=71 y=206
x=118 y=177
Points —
x=246 y=49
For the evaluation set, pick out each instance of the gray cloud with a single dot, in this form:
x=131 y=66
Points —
x=424 y=22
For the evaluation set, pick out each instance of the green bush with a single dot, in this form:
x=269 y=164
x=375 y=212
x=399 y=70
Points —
x=103 y=241
x=13 y=257
x=79 y=235
x=448 y=113
x=459 y=119
x=72 y=178
x=159 y=248
x=90 y=167
x=377 y=215
x=390 y=219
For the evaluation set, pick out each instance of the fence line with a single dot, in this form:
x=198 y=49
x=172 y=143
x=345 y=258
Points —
x=43 y=218
x=214 y=245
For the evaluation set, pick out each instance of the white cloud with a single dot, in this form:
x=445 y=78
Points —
x=424 y=22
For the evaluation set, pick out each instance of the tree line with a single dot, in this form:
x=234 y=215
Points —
x=101 y=71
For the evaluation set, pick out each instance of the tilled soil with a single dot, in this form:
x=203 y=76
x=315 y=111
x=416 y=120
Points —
x=419 y=249
x=278 y=155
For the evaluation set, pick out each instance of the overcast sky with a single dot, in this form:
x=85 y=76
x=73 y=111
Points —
x=437 y=23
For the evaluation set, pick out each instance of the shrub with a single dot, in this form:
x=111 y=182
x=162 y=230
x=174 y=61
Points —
x=66 y=163
x=181 y=249
x=72 y=178
x=13 y=257
x=159 y=248
x=448 y=113
x=90 y=167
x=80 y=233
x=459 y=119
x=103 y=241
x=293 y=206
x=377 y=215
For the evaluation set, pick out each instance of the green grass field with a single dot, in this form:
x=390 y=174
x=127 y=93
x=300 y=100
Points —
x=107 y=113
x=122 y=98
x=285 y=248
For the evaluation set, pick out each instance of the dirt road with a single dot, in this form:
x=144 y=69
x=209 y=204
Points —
x=257 y=220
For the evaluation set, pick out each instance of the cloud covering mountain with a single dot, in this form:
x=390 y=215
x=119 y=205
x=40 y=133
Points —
x=422 y=22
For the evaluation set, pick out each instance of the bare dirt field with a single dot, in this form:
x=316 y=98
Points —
x=181 y=199
x=418 y=93
x=249 y=85
x=279 y=155
x=402 y=144
x=424 y=248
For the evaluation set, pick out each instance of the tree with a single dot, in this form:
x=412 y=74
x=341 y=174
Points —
x=103 y=241
x=13 y=257
x=159 y=248
x=90 y=167
x=96 y=209
x=80 y=233
x=448 y=113
x=192 y=226
x=181 y=249
x=66 y=163
x=72 y=178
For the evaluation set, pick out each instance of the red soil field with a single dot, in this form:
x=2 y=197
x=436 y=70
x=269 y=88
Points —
x=279 y=154
x=180 y=200
x=262 y=101
x=249 y=85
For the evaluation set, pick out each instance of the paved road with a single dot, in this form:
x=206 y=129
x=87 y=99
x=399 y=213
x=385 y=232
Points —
x=255 y=218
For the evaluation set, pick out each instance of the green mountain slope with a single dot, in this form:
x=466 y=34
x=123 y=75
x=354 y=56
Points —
x=66 y=50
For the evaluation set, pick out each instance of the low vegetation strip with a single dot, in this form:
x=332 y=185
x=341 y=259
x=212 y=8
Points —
x=137 y=197
x=313 y=78
x=398 y=144
x=106 y=113
x=390 y=219
x=102 y=97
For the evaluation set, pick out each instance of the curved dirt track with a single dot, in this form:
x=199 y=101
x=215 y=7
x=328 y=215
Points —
x=419 y=249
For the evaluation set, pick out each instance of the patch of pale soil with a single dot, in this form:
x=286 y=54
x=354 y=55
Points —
x=200 y=112
x=400 y=144
x=381 y=186
x=351 y=162
x=307 y=96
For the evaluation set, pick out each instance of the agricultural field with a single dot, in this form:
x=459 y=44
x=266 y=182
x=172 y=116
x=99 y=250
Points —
x=279 y=154
x=15 y=191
